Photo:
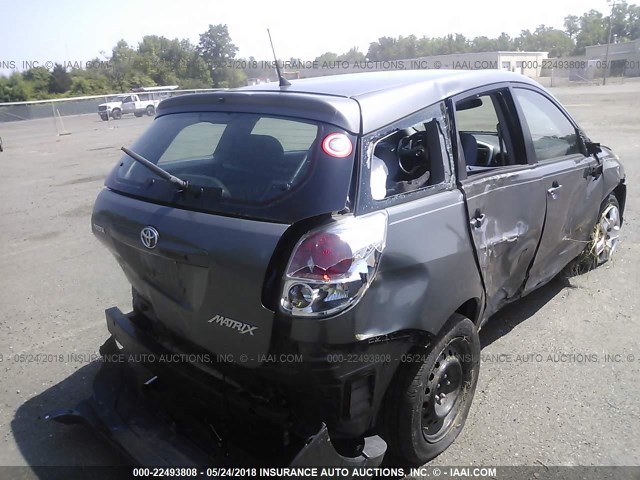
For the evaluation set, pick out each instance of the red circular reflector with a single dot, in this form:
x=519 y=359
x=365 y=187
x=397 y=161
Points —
x=337 y=145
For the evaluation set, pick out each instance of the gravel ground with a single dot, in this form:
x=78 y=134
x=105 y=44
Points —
x=547 y=393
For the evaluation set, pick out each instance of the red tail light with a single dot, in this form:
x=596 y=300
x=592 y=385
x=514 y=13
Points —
x=321 y=254
x=332 y=267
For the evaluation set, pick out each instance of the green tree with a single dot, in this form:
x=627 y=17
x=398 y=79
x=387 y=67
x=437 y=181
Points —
x=14 y=88
x=505 y=43
x=425 y=47
x=572 y=25
x=406 y=47
x=484 y=44
x=91 y=81
x=546 y=39
x=593 y=31
x=353 y=55
x=592 y=27
x=633 y=19
x=37 y=80
x=383 y=49
x=162 y=61
x=59 y=81
x=122 y=66
x=80 y=86
x=625 y=22
x=216 y=48
x=327 y=57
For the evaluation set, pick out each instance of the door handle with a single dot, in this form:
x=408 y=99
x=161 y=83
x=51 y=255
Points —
x=478 y=220
x=552 y=191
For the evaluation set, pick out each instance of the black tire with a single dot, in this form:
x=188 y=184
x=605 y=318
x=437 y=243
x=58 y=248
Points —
x=104 y=117
x=137 y=114
x=150 y=110
x=417 y=424
x=116 y=114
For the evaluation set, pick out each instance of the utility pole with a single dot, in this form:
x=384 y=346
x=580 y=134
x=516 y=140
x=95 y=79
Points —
x=606 y=54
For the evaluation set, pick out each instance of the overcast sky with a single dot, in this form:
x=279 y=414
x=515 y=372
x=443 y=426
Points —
x=78 y=30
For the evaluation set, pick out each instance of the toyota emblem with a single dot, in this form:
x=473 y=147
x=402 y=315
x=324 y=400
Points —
x=149 y=237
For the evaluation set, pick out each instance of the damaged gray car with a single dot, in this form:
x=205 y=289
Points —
x=311 y=263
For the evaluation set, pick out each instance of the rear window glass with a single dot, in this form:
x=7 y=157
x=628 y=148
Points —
x=194 y=141
x=291 y=134
x=249 y=158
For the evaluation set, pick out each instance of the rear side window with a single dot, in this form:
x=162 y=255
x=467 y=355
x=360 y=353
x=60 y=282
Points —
x=407 y=159
x=487 y=136
x=552 y=133
x=481 y=119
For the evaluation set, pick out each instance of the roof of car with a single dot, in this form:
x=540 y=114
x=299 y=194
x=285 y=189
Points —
x=358 y=85
x=381 y=97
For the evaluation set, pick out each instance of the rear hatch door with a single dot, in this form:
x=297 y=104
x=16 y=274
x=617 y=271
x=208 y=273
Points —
x=200 y=257
x=203 y=275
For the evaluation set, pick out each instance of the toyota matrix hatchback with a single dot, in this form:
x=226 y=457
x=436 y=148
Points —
x=313 y=262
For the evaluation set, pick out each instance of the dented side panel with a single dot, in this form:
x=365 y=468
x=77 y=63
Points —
x=573 y=196
x=427 y=271
x=506 y=216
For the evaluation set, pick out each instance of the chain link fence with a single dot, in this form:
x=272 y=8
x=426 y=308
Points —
x=57 y=109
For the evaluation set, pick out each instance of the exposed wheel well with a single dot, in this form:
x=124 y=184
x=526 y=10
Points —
x=470 y=309
x=621 y=195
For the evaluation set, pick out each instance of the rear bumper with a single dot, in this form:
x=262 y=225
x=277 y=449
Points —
x=342 y=386
x=176 y=414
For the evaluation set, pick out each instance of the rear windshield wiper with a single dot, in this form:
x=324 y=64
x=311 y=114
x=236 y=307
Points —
x=180 y=184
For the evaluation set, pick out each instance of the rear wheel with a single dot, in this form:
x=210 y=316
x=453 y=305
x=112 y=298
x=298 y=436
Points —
x=428 y=402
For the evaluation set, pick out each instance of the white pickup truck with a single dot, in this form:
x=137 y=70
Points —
x=139 y=104
x=143 y=100
x=130 y=103
x=112 y=108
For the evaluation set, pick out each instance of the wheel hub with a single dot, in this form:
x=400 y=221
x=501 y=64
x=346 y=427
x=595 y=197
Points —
x=607 y=233
x=443 y=391
x=447 y=386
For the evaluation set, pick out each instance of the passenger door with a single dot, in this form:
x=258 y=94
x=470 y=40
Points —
x=128 y=104
x=505 y=202
x=571 y=182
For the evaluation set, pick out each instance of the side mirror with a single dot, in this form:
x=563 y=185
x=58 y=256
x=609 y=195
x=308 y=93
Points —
x=587 y=147
x=592 y=147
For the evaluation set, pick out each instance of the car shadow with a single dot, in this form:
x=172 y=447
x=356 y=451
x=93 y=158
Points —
x=521 y=310
x=48 y=447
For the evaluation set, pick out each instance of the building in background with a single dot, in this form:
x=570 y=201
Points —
x=624 y=57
